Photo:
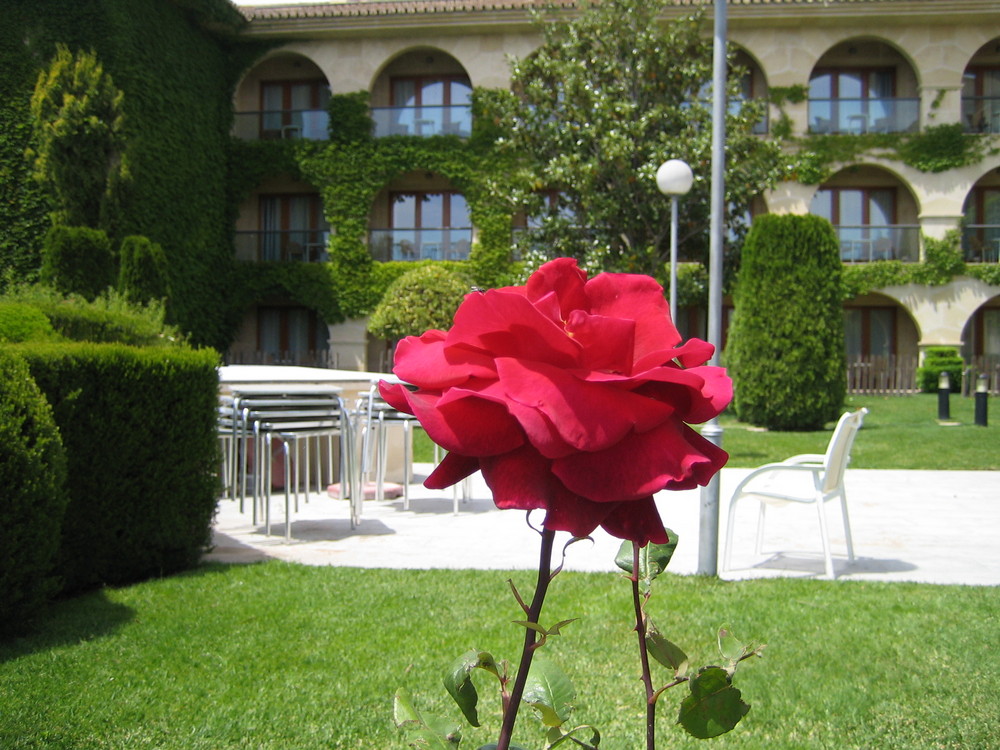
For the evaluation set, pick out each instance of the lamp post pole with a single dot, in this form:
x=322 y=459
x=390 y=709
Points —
x=708 y=543
x=673 y=178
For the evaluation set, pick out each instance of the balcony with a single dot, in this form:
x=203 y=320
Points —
x=857 y=116
x=981 y=243
x=286 y=246
x=310 y=124
x=868 y=243
x=420 y=244
x=981 y=114
x=423 y=121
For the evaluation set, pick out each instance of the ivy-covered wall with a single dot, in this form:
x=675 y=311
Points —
x=177 y=62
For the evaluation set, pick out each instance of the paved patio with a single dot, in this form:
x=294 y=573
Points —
x=928 y=526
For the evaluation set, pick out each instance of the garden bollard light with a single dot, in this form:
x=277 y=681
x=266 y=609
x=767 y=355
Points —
x=944 y=393
x=982 y=396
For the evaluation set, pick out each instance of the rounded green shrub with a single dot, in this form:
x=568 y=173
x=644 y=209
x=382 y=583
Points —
x=21 y=322
x=423 y=298
x=142 y=274
x=786 y=341
x=33 y=501
x=77 y=260
x=938 y=359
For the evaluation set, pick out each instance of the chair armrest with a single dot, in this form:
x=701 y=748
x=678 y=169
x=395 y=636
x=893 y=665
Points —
x=805 y=458
x=774 y=469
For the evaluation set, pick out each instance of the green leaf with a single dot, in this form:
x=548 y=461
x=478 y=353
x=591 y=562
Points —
x=458 y=682
x=666 y=652
x=730 y=646
x=714 y=706
x=432 y=733
x=549 y=691
x=653 y=558
x=556 y=737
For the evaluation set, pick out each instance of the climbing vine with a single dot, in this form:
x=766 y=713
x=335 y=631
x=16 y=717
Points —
x=350 y=172
x=942 y=262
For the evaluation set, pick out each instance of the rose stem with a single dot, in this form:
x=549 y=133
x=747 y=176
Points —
x=534 y=612
x=640 y=629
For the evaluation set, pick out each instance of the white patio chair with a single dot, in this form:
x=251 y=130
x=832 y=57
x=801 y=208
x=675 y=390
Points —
x=775 y=485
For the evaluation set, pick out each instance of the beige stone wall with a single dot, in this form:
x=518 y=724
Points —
x=929 y=46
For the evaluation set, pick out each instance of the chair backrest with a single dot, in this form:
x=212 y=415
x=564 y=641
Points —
x=838 y=452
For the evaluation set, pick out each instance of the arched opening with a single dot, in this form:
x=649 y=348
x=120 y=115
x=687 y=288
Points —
x=981 y=338
x=422 y=92
x=420 y=216
x=753 y=84
x=880 y=338
x=863 y=86
x=981 y=221
x=981 y=91
x=873 y=212
x=283 y=96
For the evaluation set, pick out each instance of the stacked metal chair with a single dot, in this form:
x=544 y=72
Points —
x=306 y=423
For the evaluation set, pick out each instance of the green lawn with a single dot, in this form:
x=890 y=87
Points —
x=286 y=657
x=281 y=656
x=900 y=432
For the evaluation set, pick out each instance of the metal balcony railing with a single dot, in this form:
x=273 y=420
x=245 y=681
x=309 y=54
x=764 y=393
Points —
x=292 y=245
x=981 y=243
x=420 y=244
x=310 y=124
x=981 y=114
x=856 y=116
x=423 y=121
x=867 y=243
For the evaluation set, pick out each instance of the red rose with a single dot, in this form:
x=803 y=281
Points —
x=571 y=395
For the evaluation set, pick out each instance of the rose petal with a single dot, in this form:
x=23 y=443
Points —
x=452 y=469
x=563 y=279
x=638 y=521
x=577 y=515
x=588 y=417
x=693 y=352
x=606 y=343
x=670 y=456
x=638 y=298
x=430 y=362
x=463 y=422
x=520 y=479
x=508 y=325
x=697 y=394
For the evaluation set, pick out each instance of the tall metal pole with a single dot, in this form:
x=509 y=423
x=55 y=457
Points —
x=708 y=546
x=673 y=259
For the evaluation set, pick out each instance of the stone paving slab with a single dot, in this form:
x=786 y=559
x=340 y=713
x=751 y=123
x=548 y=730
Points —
x=927 y=526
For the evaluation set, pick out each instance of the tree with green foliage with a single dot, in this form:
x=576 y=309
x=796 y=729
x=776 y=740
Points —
x=786 y=341
x=608 y=96
x=78 y=137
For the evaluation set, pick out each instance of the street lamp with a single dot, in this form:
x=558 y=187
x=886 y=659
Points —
x=674 y=178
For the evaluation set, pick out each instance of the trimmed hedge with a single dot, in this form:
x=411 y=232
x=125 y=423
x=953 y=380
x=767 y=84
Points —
x=142 y=272
x=78 y=260
x=138 y=426
x=108 y=319
x=786 y=341
x=938 y=359
x=33 y=501
x=423 y=298
x=22 y=322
